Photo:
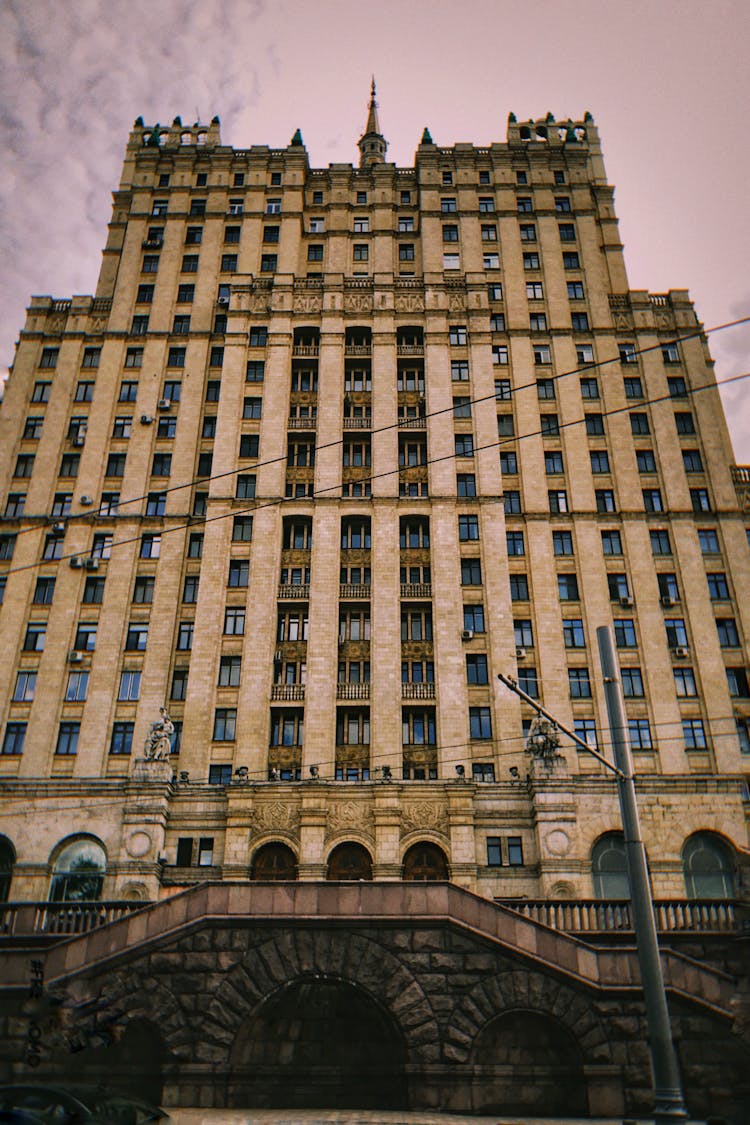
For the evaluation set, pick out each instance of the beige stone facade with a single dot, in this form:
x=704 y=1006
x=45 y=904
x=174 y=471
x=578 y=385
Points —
x=329 y=449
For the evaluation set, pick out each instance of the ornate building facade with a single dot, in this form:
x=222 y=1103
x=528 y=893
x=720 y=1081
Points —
x=327 y=450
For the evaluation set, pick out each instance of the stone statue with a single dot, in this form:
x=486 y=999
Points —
x=158 y=744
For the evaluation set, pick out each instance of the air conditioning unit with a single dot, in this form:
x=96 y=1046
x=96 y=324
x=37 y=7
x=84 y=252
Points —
x=520 y=653
x=146 y=419
x=164 y=403
x=75 y=657
x=86 y=501
x=79 y=441
x=58 y=528
x=667 y=601
x=224 y=301
x=681 y=651
x=626 y=601
x=467 y=634
x=91 y=564
x=76 y=563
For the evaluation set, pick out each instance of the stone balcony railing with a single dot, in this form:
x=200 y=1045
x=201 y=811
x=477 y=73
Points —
x=291 y=591
x=352 y=691
x=607 y=916
x=305 y=351
x=357 y=423
x=301 y=423
x=416 y=590
x=346 y=590
x=288 y=692
x=417 y=691
x=410 y=349
x=412 y=423
x=60 y=918
x=357 y=350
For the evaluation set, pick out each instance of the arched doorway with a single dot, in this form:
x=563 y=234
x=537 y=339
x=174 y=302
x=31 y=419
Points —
x=274 y=863
x=349 y=862
x=318 y=1043
x=7 y=863
x=529 y=1064
x=425 y=862
x=708 y=867
x=78 y=872
x=609 y=867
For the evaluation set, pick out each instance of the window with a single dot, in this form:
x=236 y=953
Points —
x=523 y=634
x=476 y=668
x=571 y=261
x=36 y=635
x=668 y=587
x=494 y=854
x=139 y=327
x=567 y=232
x=136 y=637
x=579 y=683
x=528 y=232
x=32 y=429
x=234 y=621
x=25 y=464
x=599 y=461
x=405 y=224
x=178 y=690
x=625 y=632
x=8 y=543
x=225 y=724
x=632 y=683
x=660 y=544
x=239 y=572
x=16 y=503
x=41 y=392
x=567 y=588
x=486 y=204
x=639 y=425
x=489 y=232
x=13 y=739
x=156 y=502
x=691 y=460
x=406 y=252
x=450 y=232
x=534 y=290
x=464 y=445
x=474 y=618
x=93 y=591
x=549 y=425
x=684 y=423
x=144 y=295
x=143 y=590
x=450 y=261
x=562 y=203
x=515 y=543
x=727 y=630
x=102 y=546
x=677 y=387
x=708 y=540
x=491 y=261
x=557 y=500
x=242 y=529
x=524 y=205
x=190 y=263
x=508 y=464
x=611 y=543
x=700 y=499
x=605 y=500
x=527 y=681
x=512 y=501
x=447 y=205
x=25 y=687
x=245 y=489
x=573 y=634
x=130 y=687
x=471 y=572
x=497 y=323
x=676 y=632
x=167 y=427
x=645 y=460
x=49 y=358
x=480 y=723
x=229 y=671
x=84 y=392
x=190 y=589
x=684 y=682
x=161 y=466
x=737 y=682
x=652 y=500
x=231 y=234
x=617 y=584
x=639 y=733
x=562 y=543
x=468 y=527
x=67 y=739
x=519 y=588
x=115 y=465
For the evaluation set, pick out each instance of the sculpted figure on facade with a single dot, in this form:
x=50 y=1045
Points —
x=158 y=744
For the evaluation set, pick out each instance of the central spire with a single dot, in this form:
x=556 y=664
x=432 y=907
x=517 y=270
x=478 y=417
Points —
x=372 y=143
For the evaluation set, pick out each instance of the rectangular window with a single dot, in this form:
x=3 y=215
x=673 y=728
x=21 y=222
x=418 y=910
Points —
x=25 y=687
x=645 y=460
x=684 y=682
x=579 y=683
x=143 y=590
x=468 y=527
x=190 y=589
x=567 y=588
x=625 y=632
x=562 y=543
x=599 y=461
x=652 y=500
x=527 y=681
x=519 y=588
x=67 y=739
x=245 y=486
x=562 y=203
x=639 y=733
x=49 y=358
x=515 y=543
x=491 y=261
x=694 y=734
x=122 y=738
x=84 y=392
x=36 y=635
x=13 y=739
x=573 y=634
x=225 y=724
x=239 y=572
x=512 y=501
x=190 y=263
x=252 y=408
x=528 y=232
x=136 y=637
x=464 y=445
x=230 y=668
x=139 y=326
x=234 y=621
x=737 y=682
x=93 y=591
x=571 y=261
x=632 y=683
x=471 y=572
x=509 y=464
x=451 y=261
x=480 y=723
x=557 y=500
x=130 y=687
x=474 y=618
x=476 y=668
x=611 y=543
x=660 y=544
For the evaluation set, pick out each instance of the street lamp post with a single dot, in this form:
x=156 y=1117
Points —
x=669 y=1103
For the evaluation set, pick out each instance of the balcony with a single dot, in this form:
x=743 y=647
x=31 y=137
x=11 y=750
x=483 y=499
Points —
x=301 y=423
x=354 y=350
x=412 y=423
x=287 y=692
x=417 y=691
x=349 y=591
x=294 y=593
x=352 y=691
x=613 y=916
x=357 y=423
x=305 y=351
x=410 y=349
x=416 y=589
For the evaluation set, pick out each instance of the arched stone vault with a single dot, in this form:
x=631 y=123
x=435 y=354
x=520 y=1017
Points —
x=337 y=954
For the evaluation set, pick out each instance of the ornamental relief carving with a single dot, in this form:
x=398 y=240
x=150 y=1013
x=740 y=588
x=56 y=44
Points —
x=409 y=302
x=424 y=814
x=274 y=814
x=349 y=814
x=259 y=302
x=307 y=302
x=622 y=321
x=456 y=302
x=357 y=302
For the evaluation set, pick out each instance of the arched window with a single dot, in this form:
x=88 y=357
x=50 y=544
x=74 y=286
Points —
x=349 y=862
x=609 y=867
x=7 y=861
x=708 y=867
x=274 y=863
x=78 y=873
x=425 y=863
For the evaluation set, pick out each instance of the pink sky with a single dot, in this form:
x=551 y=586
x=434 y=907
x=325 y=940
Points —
x=667 y=82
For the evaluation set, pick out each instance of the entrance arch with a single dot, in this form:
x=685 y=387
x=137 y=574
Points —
x=529 y=1064
x=318 y=1042
x=425 y=862
x=274 y=863
x=349 y=862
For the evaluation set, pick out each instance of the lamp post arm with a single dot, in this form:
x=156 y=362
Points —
x=513 y=685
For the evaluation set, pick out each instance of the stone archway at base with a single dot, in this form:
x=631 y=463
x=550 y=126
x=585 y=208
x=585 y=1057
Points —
x=528 y=1063
x=318 y=1042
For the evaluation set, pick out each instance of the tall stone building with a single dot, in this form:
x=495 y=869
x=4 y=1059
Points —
x=329 y=449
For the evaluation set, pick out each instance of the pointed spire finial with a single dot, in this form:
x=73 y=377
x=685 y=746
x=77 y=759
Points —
x=372 y=143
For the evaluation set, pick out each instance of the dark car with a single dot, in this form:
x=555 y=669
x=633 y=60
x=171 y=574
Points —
x=51 y=1105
